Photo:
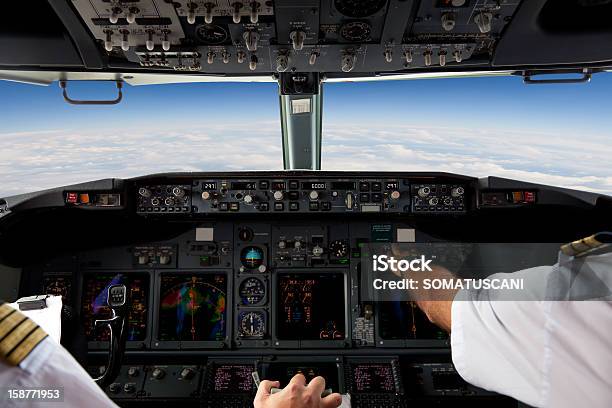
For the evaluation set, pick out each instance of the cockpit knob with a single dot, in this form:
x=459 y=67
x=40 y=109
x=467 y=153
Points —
x=144 y=192
x=251 y=39
x=149 y=42
x=164 y=259
x=187 y=373
x=125 y=43
x=424 y=191
x=282 y=244
x=253 y=62
x=236 y=12
x=457 y=191
x=262 y=268
x=129 y=388
x=349 y=201
x=448 y=21
x=483 y=21
x=178 y=192
x=297 y=244
x=388 y=55
x=133 y=372
x=317 y=251
x=158 y=373
x=282 y=62
x=297 y=39
x=314 y=195
x=278 y=195
x=131 y=15
x=108 y=42
x=348 y=62
x=248 y=199
x=114 y=388
x=205 y=195
x=114 y=16
x=143 y=259
x=208 y=10
x=395 y=195
x=191 y=13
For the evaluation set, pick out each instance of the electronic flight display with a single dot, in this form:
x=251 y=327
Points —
x=284 y=372
x=94 y=306
x=232 y=378
x=311 y=306
x=373 y=378
x=192 y=307
x=404 y=321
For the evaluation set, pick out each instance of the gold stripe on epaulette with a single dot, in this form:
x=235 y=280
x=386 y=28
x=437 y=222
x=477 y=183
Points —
x=581 y=246
x=10 y=323
x=15 y=337
x=22 y=350
x=5 y=310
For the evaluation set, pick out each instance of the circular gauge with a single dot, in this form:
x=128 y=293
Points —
x=252 y=324
x=359 y=8
x=211 y=34
x=339 y=249
x=355 y=31
x=252 y=291
x=251 y=257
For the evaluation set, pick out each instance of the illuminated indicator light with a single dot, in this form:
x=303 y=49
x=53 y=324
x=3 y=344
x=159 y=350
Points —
x=530 y=197
x=71 y=198
x=517 y=196
x=84 y=198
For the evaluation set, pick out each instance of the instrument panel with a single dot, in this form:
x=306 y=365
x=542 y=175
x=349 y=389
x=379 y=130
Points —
x=242 y=37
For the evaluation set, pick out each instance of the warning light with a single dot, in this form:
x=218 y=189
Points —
x=71 y=198
x=530 y=197
x=84 y=198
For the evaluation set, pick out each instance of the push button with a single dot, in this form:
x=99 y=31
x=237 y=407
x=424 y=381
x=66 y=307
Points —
x=279 y=206
x=364 y=186
x=294 y=206
x=223 y=206
x=364 y=197
x=326 y=206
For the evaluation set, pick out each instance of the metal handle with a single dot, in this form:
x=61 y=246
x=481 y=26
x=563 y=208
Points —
x=64 y=84
x=585 y=78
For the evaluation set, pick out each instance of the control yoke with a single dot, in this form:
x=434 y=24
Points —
x=117 y=301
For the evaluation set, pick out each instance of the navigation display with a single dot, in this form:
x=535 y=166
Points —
x=232 y=378
x=94 y=306
x=373 y=378
x=404 y=320
x=311 y=306
x=192 y=307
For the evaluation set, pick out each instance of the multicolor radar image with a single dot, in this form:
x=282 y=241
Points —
x=192 y=307
x=94 y=306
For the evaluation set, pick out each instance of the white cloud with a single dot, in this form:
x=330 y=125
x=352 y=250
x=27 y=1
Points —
x=31 y=161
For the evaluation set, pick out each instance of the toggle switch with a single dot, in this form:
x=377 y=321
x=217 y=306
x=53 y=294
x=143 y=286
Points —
x=191 y=13
x=442 y=56
x=253 y=62
x=254 y=12
x=388 y=55
x=313 y=58
x=251 y=39
x=114 y=16
x=108 y=42
x=225 y=57
x=297 y=39
x=131 y=15
x=427 y=57
x=448 y=21
x=149 y=42
x=282 y=62
x=208 y=12
x=483 y=21
x=236 y=12
x=210 y=57
x=458 y=56
x=348 y=62
x=125 y=43
x=165 y=40
x=408 y=56
x=241 y=56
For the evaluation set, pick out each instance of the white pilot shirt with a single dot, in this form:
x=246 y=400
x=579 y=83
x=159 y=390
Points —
x=545 y=353
x=50 y=366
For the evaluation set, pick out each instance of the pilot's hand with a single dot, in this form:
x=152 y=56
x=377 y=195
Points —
x=296 y=394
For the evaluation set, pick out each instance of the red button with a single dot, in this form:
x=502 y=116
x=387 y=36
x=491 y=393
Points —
x=71 y=198
x=530 y=197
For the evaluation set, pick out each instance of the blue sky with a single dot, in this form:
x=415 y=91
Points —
x=557 y=134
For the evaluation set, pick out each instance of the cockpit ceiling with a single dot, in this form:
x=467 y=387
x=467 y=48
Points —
x=337 y=38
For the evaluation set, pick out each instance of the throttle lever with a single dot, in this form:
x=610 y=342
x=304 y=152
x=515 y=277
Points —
x=117 y=301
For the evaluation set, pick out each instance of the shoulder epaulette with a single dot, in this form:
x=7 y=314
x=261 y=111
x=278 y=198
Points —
x=586 y=245
x=19 y=335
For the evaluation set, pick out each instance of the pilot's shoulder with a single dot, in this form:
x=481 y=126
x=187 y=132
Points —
x=594 y=244
x=19 y=335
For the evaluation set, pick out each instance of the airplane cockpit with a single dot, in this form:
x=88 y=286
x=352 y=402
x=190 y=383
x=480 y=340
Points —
x=177 y=287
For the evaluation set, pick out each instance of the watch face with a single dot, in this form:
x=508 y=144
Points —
x=117 y=295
